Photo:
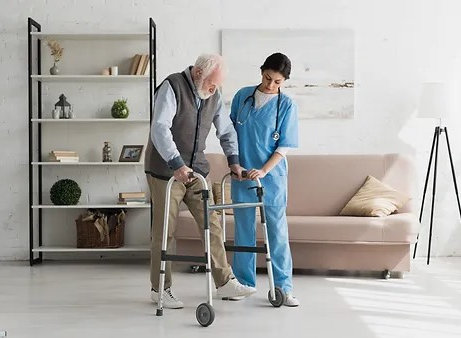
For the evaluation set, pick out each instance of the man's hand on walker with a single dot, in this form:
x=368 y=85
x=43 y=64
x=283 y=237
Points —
x=236 y=170
x=182 y=174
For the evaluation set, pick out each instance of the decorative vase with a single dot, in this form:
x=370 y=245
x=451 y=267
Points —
x=54 y=70
x=107 y=152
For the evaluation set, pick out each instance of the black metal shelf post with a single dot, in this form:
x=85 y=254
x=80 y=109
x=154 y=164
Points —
x=34 y=24
x=153 y=81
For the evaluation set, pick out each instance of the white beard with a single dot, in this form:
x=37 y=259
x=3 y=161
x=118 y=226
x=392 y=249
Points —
x=201 y=93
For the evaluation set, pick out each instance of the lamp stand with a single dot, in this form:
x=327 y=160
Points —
x=435 y=142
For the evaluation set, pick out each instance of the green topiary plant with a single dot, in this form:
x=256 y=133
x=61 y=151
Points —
x=65 y=192
x=119 y=109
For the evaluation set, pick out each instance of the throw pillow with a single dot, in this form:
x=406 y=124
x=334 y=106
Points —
x=374 y=198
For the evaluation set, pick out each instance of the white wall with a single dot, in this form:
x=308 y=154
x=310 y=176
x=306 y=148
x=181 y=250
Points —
x=399 y=45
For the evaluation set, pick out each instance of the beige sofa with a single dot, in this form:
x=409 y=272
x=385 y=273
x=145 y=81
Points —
x=319 y=186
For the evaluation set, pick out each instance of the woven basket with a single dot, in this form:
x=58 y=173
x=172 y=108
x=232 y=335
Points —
x=88 y=235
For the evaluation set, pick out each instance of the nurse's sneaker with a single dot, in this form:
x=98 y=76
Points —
x=170 y=301
x=233 y=288
x=291 y=300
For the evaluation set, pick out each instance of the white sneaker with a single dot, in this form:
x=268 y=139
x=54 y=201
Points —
x=233 y=288
x=291 y=300
x=169 y=299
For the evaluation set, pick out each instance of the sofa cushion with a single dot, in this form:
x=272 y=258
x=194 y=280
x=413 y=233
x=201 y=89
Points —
x=374 y=198
x=395 y=228
x=400 y=228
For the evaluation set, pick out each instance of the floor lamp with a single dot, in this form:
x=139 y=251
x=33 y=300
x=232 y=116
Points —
x=433 y=105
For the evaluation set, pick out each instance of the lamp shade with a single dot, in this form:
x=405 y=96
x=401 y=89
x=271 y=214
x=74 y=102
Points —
x=433 y=101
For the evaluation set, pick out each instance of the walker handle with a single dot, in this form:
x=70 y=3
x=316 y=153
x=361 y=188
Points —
x=191 y=174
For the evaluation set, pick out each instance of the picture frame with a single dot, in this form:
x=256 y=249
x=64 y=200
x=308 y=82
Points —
x=131 y=153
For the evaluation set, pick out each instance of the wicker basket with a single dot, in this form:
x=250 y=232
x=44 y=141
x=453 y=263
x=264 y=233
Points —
x=88 y=235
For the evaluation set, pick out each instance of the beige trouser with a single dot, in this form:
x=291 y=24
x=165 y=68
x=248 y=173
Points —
x=221 y=269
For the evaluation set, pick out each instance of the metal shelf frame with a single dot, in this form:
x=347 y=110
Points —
x=35 y=35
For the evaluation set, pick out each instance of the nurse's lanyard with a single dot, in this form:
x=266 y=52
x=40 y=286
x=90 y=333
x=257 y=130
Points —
x=275 y=134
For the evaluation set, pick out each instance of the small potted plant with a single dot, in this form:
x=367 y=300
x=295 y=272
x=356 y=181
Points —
x=56 y=53
x=65 y=192
x=120 y=109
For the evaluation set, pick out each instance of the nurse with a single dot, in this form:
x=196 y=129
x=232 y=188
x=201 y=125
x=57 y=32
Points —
x=266 y=122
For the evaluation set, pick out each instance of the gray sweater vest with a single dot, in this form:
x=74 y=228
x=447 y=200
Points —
x=190 y=129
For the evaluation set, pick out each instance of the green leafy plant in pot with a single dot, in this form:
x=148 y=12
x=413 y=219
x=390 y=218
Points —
x=65 y=192
x=119 y=109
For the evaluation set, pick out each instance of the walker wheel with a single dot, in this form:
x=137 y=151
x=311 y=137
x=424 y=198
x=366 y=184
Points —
x=204 y=314
x=279 y=297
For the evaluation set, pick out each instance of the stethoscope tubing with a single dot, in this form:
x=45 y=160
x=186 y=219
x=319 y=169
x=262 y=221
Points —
x=276 y=134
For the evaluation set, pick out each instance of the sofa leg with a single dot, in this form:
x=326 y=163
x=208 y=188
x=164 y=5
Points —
x=386 y=274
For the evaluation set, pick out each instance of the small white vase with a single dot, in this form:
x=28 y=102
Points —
x=54 y=70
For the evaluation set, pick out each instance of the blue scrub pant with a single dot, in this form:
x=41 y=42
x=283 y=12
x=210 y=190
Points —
x=244 y=264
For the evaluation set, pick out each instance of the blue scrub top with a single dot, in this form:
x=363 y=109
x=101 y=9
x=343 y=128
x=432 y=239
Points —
x=256 y=144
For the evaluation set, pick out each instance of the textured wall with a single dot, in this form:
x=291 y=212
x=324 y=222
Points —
x=399 y=45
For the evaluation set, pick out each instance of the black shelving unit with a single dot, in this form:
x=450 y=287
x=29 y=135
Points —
x=35 y=129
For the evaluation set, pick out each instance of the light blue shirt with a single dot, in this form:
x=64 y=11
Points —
x=164 y=112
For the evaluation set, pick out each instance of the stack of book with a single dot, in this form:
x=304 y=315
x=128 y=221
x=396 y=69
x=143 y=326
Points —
x=132 y=198
x=140 y=64
x=63 y=156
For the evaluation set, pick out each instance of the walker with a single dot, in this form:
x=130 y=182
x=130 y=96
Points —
x=275 y=295
x=205 y=312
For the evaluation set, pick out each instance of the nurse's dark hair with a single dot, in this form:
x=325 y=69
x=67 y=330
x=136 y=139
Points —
x=278 y=62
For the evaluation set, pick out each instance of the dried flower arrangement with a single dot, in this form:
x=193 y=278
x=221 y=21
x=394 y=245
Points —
x=56 y=49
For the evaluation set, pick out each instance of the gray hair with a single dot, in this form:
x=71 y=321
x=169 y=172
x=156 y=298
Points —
x=208 y=63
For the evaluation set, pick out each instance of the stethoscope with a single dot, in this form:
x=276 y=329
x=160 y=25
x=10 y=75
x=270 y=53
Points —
x=275 y=134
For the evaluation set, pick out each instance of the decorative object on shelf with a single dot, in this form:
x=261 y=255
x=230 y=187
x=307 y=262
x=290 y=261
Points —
x=131 y=153
x=65 y=192
x=107 y=152
x=55 y=113
x=101 y=228
x=120 y=109
x=105 y=71
x=114 y=70
x=64 y=106
x=56 y=53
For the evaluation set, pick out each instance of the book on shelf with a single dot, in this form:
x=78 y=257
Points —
x=134 y=64
x=140 y=64
x=142 y=61
x=65 y=160
x=147 y=66
x=63 y=156
x=132 y=202
x=64 y=152
x=136 y=194
x=123 y=200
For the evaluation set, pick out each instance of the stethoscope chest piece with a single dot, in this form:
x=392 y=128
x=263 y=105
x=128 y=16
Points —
x=275 y=136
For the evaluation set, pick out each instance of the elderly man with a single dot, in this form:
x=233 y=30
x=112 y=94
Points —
x=186 y=104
